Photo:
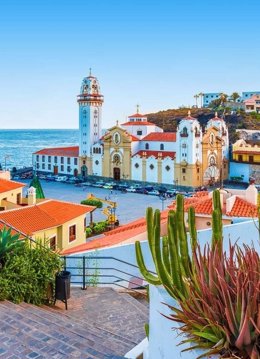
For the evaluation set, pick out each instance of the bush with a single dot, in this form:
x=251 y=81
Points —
x=29 y=275
x=88 y=232
x=92 y=202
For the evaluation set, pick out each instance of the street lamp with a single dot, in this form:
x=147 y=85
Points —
x=6 y=157
x=163 y=198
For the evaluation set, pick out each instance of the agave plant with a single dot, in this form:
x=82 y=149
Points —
x=222 y=313
x=8 y=243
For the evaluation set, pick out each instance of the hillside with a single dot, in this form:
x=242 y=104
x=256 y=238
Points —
x=169 y=119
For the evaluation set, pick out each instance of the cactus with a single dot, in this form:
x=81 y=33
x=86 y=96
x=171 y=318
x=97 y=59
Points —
x=171 y=256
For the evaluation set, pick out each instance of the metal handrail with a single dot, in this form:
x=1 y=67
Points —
x=115 y=277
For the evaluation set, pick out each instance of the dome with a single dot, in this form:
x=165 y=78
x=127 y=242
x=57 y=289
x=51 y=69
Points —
x=90 y=89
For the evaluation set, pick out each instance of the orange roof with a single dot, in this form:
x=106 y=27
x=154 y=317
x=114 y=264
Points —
x=7 y=185
x=161 y=136
x=115 y=236
x=136 y=115
x=47 y=214
x=138 y=123
x=60 y=151
x=156 y=154
x=134 y=138
x=242 y=208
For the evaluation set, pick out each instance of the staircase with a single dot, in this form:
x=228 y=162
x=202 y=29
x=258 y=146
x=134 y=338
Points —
x=100 y=324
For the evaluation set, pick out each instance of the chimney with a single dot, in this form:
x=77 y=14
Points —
x=31 y=196
x=251 y=193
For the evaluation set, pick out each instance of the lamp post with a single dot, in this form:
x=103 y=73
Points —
x=6 y=157
x=163 y=198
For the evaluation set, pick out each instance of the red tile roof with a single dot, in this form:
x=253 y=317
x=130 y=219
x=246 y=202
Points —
x=115 y=236
x=137 y=115
x=138 y=123
x=134 y=138
x=7 y=185
x=60 y=151
x=161 y=136
x=242 y=208
x=47 y=214
x=155 y=154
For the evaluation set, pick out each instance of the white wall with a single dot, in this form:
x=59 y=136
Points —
x=137 y=172
x=167 y=176
x=155 y=146
x=151 y=174
x=46 y=166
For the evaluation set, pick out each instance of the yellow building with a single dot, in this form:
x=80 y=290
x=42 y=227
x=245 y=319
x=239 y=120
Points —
x=246 y=152
x=10 y=193
x=61 y=224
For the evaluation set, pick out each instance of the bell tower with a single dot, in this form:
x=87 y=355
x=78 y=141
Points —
x=90 y=103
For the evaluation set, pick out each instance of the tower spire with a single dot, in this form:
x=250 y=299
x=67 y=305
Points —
x=90 y=71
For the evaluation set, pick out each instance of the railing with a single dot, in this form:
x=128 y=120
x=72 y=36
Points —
x=106 y=271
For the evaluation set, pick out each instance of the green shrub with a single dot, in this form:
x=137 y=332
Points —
x=8 y=243
x=88 y=232
x=29 y=275
x=92 y=202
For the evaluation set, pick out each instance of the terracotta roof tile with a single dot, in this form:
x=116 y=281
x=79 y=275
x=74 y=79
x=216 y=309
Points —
x=7 y=185
x=136 y=115
x=161 y=136
x=43 y=215
x=242 y=208
x=60 y=151
x=138 y=123
x=155 y=154
x=116 y=236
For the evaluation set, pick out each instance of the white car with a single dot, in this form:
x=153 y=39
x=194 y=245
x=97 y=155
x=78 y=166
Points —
x=131 y=189
x=154 y=193
x=61 y=179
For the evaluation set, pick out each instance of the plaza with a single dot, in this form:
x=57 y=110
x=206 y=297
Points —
x=130 y=206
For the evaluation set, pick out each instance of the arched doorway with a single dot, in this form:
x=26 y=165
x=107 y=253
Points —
x=116 y=173
x=84 y=171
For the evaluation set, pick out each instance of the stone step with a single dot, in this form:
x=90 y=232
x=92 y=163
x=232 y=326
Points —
x=64 y=330
x=37 y=337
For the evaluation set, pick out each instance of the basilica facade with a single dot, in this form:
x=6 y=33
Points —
x=138 y=149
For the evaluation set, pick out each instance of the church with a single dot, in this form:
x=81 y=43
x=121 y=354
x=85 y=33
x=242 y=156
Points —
x=138 y=149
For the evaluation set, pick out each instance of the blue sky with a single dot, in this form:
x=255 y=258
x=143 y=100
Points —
x=155 y=53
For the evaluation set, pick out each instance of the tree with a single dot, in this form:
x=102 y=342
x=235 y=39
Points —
x=223 y=97
x=235 y=96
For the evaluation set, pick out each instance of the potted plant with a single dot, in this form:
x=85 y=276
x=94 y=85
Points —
x=217 y=294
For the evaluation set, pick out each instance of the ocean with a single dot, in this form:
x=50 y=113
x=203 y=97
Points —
x=17 y=146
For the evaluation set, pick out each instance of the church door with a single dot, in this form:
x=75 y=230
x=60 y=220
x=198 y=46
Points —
x=117 y=174
x=84 y=171
x=55 y=170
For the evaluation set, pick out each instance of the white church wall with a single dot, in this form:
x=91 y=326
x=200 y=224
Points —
x=151 y=169
x=167 y=170
x=137 y=172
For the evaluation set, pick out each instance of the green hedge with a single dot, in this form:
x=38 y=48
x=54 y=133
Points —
x=92 y=202
x=28 y=275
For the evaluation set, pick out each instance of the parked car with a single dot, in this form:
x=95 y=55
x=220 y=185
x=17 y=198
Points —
x=141 y=190
x=108 y=186
x=149 y=188
x=50 y=178
x=131 y=189
x=98 y=184
x=171 y=193
x=154 y=193
x=161 y=189
x=61 y=179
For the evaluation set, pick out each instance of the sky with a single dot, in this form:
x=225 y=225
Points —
x=158 y=54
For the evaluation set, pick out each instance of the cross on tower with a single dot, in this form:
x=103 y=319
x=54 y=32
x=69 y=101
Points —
x=137 y=108
x=90 y=69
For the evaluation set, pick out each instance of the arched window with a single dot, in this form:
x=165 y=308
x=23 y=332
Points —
x=161 y=146
x=94 y=150
x=99 y=150
x=185 y=131
x=211 y=138
x=147 y=146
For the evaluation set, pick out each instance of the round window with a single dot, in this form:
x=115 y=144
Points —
x=96 y=162
x=151 y=167
x=136 y=165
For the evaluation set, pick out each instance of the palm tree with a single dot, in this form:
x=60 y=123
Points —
x=223 y=97
x=201 y=94
x=235 y=96
x=196 y=99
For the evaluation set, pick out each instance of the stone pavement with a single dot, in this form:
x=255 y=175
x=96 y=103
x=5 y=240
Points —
x=100 y=324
